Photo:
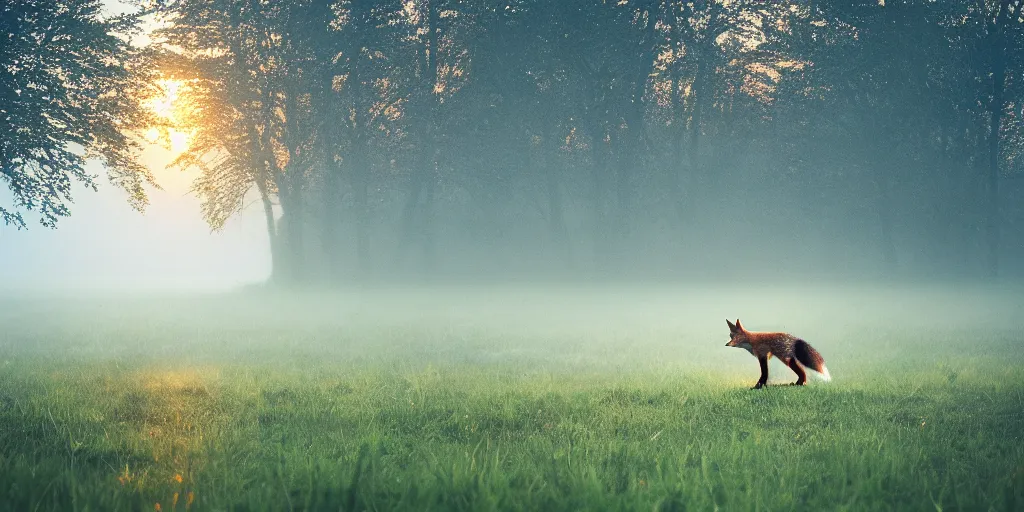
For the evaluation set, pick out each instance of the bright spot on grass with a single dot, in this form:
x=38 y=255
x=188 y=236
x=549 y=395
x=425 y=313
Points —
x=190 y=380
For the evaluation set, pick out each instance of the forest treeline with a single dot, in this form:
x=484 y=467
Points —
x=597 y=138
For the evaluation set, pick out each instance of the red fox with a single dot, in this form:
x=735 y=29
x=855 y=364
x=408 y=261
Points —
x=789 y=349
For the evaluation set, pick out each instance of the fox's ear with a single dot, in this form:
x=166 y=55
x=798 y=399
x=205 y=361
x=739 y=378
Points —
x=732 y=327
x=739 y=326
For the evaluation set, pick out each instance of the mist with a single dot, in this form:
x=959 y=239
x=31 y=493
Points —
x=489 y=255
x=107 y=248
x=426 y=143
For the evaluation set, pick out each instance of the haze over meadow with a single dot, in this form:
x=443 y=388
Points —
x=482 y=253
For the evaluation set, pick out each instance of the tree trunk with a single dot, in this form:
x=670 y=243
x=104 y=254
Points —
x=431 y=147
x=678 y=128
x=276 y=258
x=627 y=164
x=415 y=218
x=556 y=209
x=331 y=221
x=883 y=167
x=993 y=222
x=408 y=216
x=698 y=100
x=885 y=217
x=292 y=201
x=599 y=193
x=426 y=222
x=329 y=136
x=1009 y=12
x=360 y=185
x=631 y=140
x=676 y=163
x=294 y=220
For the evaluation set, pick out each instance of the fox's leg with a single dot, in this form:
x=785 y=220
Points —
x=764 y=373
x=801 y=377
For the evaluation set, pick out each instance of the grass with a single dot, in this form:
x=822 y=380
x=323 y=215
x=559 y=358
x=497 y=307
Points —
x=523 y=400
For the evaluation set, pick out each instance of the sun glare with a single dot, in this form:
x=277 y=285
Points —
x=179 y=141
x=171 y=130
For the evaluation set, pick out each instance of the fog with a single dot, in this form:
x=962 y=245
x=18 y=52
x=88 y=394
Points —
x=407 y=254
x=428 y=144
x=106 y=247
x=662 y=331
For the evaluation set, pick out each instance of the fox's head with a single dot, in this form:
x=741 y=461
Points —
x=738 y=336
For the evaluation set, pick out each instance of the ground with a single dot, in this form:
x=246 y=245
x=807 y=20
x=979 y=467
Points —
x=524 y=399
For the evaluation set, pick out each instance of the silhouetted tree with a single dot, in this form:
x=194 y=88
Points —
x=72 y=89
x=465 y=131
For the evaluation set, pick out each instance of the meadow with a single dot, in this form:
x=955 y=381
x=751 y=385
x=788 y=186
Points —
x=512 y=399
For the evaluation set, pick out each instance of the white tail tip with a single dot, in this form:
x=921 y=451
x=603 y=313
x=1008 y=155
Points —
x=824 y=374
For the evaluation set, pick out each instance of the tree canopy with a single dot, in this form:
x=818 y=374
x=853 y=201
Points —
x=581 y=128
x=585 y=137
x=71 y=86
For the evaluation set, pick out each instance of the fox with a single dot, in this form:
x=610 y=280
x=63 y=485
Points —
x=791 y=350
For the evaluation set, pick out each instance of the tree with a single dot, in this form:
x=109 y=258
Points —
x=72 y=89
x=217 y=50
x=887 y=93
x=1004 y=43
x=365 y=55
x=471 y=130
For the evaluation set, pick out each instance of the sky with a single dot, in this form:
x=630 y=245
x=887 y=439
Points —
x=106 y=245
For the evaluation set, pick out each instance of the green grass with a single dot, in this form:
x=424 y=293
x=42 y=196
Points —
x=509 y=400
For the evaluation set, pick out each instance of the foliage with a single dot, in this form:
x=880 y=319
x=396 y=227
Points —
x=484 y=127
x=72 y=88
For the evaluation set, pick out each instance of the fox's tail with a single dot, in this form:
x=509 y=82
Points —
x=810 y=358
